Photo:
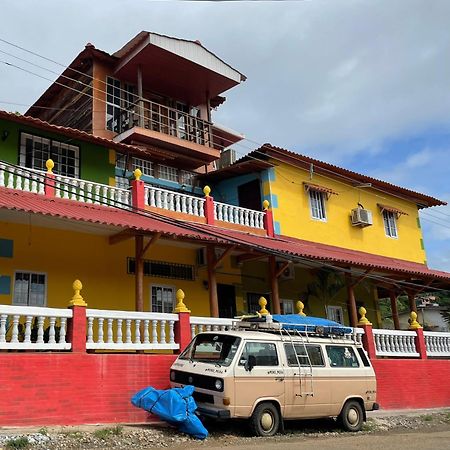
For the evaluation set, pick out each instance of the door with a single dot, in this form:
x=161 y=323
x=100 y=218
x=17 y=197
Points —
x=249 y=195
x=226 y=296
x=262 y=379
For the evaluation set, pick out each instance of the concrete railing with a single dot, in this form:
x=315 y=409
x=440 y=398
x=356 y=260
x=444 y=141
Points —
x=437 y=343
x=200 y=324
x=128 y=330
x=238 y=215
x=33 y=328
x=27 y=180
x=395 y=343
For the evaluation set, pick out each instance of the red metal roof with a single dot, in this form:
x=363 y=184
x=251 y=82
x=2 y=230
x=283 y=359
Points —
x=286 y=246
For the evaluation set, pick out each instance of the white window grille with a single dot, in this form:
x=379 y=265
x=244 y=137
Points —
x=113 y=107
x=36 y=150
x=390 y=224
x=162 y=298
x=317 y=204
x=288 y=306
x=168 y=173
x=335 y=313
x=145 y=166
x=30 y=289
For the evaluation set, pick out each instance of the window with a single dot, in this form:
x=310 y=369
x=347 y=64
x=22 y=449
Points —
x=253 y=302
x=341 y=356
x=186 y=177
x=390 y=224
x=168 y=173
x=287 y=306
x=163 y=269
x=162 y=299
x=317 y=204
x=122 y=182
x=314 y=353
x=29 y=289
x=36 y=150
x=145 y=166
x=113 y=114
x=265 y=354
x=335 y=313
x=121 y=161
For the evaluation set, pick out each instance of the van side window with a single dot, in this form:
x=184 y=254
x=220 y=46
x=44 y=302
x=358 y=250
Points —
x=314 y=352
x=265 y=354
x=362 y=355
x=340 y=356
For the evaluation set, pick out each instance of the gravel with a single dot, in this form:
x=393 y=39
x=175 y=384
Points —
x=223 y=434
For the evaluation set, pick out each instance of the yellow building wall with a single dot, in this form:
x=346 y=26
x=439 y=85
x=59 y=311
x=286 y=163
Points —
x=102 y=268
x=292 y=211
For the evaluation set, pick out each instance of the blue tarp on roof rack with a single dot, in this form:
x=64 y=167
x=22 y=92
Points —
x=308 y=324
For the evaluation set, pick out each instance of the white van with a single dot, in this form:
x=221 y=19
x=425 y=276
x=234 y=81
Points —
x=268 y=372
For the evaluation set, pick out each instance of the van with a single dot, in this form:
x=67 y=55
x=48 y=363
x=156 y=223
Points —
x=268 y=371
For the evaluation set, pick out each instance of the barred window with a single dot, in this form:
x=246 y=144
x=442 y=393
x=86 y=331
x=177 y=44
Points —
x=163 y=299
x=29 y=289
x=163 y=269
x=146 y=167
x=36 y=150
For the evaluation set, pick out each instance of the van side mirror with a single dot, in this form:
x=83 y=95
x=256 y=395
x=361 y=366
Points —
x=250 y=363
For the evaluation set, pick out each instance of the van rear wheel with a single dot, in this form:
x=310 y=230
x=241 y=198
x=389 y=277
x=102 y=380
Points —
x=265 y=420
x=351 y=417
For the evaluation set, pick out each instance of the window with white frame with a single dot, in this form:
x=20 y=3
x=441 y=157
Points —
x=36 y=150
x=30 y=289
x=162 y=299
x=317 y=204
x=288 y=306
x=121 y=161
x=390 y=224
x=335 y=313
x=145 y=166
x=168 y=173
x=113 y=109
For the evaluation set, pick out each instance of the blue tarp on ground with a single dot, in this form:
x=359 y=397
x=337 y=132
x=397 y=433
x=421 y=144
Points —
x=309 y=324
x=175 y=406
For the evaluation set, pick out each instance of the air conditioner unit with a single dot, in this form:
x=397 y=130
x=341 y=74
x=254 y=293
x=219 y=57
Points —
x=227 y=157
x=288 y=273
x=361 y=217
x=202 y=259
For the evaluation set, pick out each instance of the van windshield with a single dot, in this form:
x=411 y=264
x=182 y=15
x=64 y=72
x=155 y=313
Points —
x=212 y=348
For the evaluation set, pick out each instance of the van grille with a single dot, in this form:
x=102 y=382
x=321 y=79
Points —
x=203 y=398
x=200 y=381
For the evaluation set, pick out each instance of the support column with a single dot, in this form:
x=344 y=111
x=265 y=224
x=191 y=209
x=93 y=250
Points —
x=412 y=301
x=76 y=327
x=140 y=96
x=394 y=310
x=276 y=309
x=50 y=185
x=139 y=272
x=351 y=302
x=212 y=281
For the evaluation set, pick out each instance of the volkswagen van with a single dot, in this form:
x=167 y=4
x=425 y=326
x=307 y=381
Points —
x=267 y=373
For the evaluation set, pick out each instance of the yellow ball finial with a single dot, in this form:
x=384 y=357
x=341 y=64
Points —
x=77 y=299
x=300 y=306
x=180 y=306
x=206 y=191
x=363 y=320
x=262 y=303
x=266 y=205
x=413 y=324
x=137 y=174
x=49 y=164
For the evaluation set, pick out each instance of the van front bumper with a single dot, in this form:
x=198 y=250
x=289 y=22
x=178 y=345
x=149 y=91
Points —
x=211 y=411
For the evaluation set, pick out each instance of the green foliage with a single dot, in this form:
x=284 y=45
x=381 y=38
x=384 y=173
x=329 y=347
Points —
x=105 y=433
x=18 y=443
x=43 y=431
x=325 y=287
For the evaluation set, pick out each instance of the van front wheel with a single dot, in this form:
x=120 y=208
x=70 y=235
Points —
x=265 y=420
x=351 y=417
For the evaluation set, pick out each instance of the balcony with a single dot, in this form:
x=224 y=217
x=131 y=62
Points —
x=140 y=195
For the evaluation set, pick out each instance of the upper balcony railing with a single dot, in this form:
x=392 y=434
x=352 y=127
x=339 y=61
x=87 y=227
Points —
x=163 y=119
x=139 y=196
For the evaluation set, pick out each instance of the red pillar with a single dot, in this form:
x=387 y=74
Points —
x=368 y=341
x=138 y=193
x=209 y=210
x=420 y=344
x=76 y=329
x=49 y=187
x=183 y=330
x=268 y=223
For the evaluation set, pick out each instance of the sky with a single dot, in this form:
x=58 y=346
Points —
x=364 y=84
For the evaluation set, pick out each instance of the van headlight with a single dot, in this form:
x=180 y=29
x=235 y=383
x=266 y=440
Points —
x=172 y=375
x=218 y=385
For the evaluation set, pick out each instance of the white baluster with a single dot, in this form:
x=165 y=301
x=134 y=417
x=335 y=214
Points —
x=15 y=330
x=177 y=203
x=137 y=331
x=396 y=340
x=41 y=187
x=97 y=194
x=51 y=331
x=34 y=185
x=164 y=200
x=236 y=216
x=158 y=199
x=109 y=331
x=219 y=212
x=154 y=331
x=112 y=196
x=152 y=197
x=128 y=331
x=192 y=331
x=195 y=207
x=119 y=338
x=200 y=329
x=3 y=319
x=2 y=175
x=40 y=334
x=81 y=193
x=251 y=219
x=241 y=217
x=171 y=332
x=146 y=194
x=225 y=214
x=26 y=182
x=90 y=331
x=183 y=204
x=28 y=321
x=208 y=327
x=11 y=178
x=104 y=196
x=88 y=193
x=73 y=190
x=100 y=339
x=146 y=332
x=62 y=330
x=190 y=201
x=246 y=220
x=19 y=175
x=162 y=333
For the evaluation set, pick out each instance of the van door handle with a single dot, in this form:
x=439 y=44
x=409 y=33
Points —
x=279 y=379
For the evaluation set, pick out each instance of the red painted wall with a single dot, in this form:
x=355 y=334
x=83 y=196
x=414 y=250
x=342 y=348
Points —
x=76 y=388
x=412 y=383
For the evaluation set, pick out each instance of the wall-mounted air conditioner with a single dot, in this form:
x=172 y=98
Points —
x=288 y=273
x=202 y=258
x=361 y=217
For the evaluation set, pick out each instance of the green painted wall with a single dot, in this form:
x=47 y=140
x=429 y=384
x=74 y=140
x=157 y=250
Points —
x=94 y=159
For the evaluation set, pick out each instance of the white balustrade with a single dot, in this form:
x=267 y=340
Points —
x=400 y=344
x=437 y=343
x=200 y=324
x=33 y=328
x=22 y=179
x=174 y=201
x=90 y=192
x=238 y=215
x=129 y=330
x=355 y=336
